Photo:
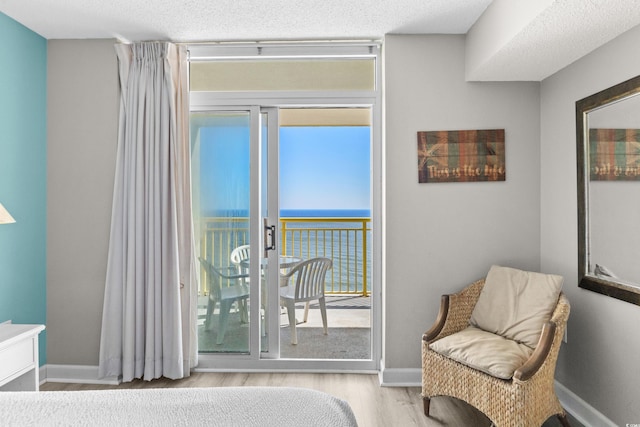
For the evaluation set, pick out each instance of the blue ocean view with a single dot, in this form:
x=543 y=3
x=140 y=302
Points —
x=295 y=213
x=324 y=213
x=341 y=239
x=309 y=174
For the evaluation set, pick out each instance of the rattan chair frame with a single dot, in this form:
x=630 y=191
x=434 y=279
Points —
x=528 y=399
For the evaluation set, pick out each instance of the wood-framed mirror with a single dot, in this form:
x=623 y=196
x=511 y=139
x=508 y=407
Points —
x=608 y=165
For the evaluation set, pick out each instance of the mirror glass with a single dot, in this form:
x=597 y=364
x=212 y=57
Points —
x=608 y=130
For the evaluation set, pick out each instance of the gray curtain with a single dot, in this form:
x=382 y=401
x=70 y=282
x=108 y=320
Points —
x=149 y=314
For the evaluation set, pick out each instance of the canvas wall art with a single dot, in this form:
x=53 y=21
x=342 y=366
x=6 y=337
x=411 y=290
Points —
x=614 y=154
x=461 y=156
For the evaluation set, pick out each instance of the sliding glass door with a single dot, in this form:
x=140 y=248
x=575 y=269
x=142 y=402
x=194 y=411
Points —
x=275 y=188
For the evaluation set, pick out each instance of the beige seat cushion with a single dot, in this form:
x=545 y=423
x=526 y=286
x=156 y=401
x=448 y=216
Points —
x=484 y=351
x=515 y=303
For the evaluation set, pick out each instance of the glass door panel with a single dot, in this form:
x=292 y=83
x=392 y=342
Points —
x=221 y=142
x=324 y=179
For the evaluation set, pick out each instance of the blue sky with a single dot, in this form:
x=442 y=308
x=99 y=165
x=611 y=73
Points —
x=320 y=167
x=325 y=167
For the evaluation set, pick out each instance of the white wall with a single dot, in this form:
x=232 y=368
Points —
x=600 y=361
x=441 y=237
x=82 y=107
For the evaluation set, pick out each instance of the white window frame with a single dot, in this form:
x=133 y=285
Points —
x=200 y=101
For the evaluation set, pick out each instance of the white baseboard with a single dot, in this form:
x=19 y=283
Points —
x=79 y=374
x=403 y=377
x=586 y=414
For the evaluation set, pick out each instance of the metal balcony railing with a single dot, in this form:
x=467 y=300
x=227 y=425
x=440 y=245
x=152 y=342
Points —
x=343 y=240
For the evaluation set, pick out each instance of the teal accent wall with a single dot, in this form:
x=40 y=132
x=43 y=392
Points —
x=23 y=175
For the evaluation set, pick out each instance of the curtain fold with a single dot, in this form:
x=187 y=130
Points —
x=148 y=322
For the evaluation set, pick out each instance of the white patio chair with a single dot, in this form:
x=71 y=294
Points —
x=225 y=294
x=239 y=254
x=307 y=285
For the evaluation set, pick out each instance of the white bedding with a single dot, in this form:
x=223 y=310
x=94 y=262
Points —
x=221 y=406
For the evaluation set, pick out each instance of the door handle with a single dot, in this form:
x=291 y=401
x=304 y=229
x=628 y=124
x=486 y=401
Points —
x=269 y=237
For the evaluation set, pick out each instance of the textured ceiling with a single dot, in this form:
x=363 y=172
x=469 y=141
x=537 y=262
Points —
x=241 y=20
x=522 y=44
x=563 y=32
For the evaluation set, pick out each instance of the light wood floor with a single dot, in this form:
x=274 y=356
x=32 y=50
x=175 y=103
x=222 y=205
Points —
x=372 y=405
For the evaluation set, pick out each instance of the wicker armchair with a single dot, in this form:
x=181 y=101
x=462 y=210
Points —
x=528 y=399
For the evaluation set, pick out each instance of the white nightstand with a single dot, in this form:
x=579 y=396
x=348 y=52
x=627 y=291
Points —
x=19 y=367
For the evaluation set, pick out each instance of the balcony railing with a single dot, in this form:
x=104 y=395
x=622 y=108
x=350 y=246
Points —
x=344 y=240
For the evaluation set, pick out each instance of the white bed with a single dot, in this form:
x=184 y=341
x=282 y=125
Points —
x=221 y=406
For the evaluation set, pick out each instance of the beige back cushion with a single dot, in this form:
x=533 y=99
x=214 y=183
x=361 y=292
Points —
x=515 y=303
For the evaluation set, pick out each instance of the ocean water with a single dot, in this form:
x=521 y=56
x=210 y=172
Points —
x=325 y=213
x=293 y=213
